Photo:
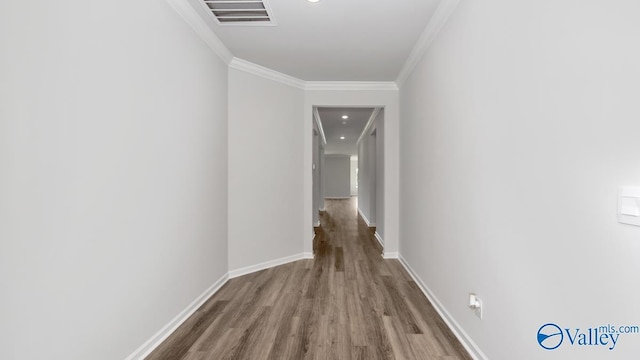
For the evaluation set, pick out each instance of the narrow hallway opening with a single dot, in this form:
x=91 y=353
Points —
x=348 y=161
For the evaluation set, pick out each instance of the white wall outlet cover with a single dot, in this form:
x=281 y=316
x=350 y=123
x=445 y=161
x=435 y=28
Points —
x=629 y=205
x=475 y=304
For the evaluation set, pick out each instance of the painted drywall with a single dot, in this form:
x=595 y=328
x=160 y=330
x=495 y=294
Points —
x=517 y=128
x=367 y=179
x=113 y=155
x=266 y=124
x=371 y=174
x=353 y=173
x=321 y=202
x=384 y=98
x=316 y=177
x=318 y=171
x=379 y=175
x=337 y=176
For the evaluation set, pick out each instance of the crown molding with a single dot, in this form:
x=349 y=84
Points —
x=316 y=117
x=197 y=23
x=259 y=70
x=255 y=69
x=436 y=23
x=369 y=124
x=352 y=85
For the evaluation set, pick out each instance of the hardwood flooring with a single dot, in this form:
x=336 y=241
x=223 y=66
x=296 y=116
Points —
x=347 y=303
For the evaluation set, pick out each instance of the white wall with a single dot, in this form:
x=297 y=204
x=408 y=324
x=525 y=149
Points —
x=371 y=175
x=337 y=176
x=321 y=202
x=384 y=98
x=318 y=174
x=266 y=127
x=113 y=188
x=367 y=178
x=354 y=176
x=379 y=175
x=317 y=179
x=517 y=129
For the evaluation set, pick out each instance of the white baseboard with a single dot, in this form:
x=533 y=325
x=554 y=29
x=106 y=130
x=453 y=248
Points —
x=145 y=349
x=268 y=264
x=390 y=255
x=379 y=238
x=457 y=330
x=317 y=224
x=338 y=198
x=366 y=221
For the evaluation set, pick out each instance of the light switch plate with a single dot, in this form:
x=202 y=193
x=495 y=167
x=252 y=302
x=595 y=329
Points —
x=629 y=205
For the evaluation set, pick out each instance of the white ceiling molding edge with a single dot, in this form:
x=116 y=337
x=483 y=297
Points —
x=316 y=117
x=351 y=85
x=191 y=16
x=367 y=127
x=437 y=21
x=258 y=70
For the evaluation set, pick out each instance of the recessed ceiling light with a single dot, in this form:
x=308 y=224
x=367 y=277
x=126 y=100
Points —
x=313 y=0
x=345 y=117
x=341 y=137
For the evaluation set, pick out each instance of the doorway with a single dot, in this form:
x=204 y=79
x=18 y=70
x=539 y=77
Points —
x=373 y=95
x=348 y=161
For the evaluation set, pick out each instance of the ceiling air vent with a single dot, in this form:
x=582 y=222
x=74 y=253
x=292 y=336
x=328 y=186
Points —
x=240 y=12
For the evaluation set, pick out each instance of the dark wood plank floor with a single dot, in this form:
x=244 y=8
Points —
x=347 y=303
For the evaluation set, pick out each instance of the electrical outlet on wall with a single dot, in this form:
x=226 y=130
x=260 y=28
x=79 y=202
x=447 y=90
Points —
x=475 y=304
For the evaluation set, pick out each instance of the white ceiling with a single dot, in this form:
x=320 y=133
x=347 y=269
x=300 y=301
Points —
x=332 y=40
x=334 y=127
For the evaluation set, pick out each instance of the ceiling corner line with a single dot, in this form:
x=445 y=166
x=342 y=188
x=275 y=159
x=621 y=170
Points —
x=192 y=17
x=266 y=73
x=316 y=117
x=436 y=23
x=372 y=118
x=351 y=85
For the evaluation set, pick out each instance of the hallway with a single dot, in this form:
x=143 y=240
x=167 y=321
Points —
x=347 y=303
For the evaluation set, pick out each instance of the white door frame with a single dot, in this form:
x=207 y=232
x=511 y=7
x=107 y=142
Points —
x=366 y=96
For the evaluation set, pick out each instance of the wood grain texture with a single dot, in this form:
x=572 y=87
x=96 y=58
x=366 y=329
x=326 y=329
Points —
x=348 y=303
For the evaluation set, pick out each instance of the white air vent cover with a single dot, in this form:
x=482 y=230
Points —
x=240 y=12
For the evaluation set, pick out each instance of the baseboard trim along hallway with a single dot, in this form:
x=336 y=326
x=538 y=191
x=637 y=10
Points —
x=157 y=339
x=366 y=221
x=268 y=264
x=462 y=336
x=145 y=349
x=390 y=255
x=379 y=238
